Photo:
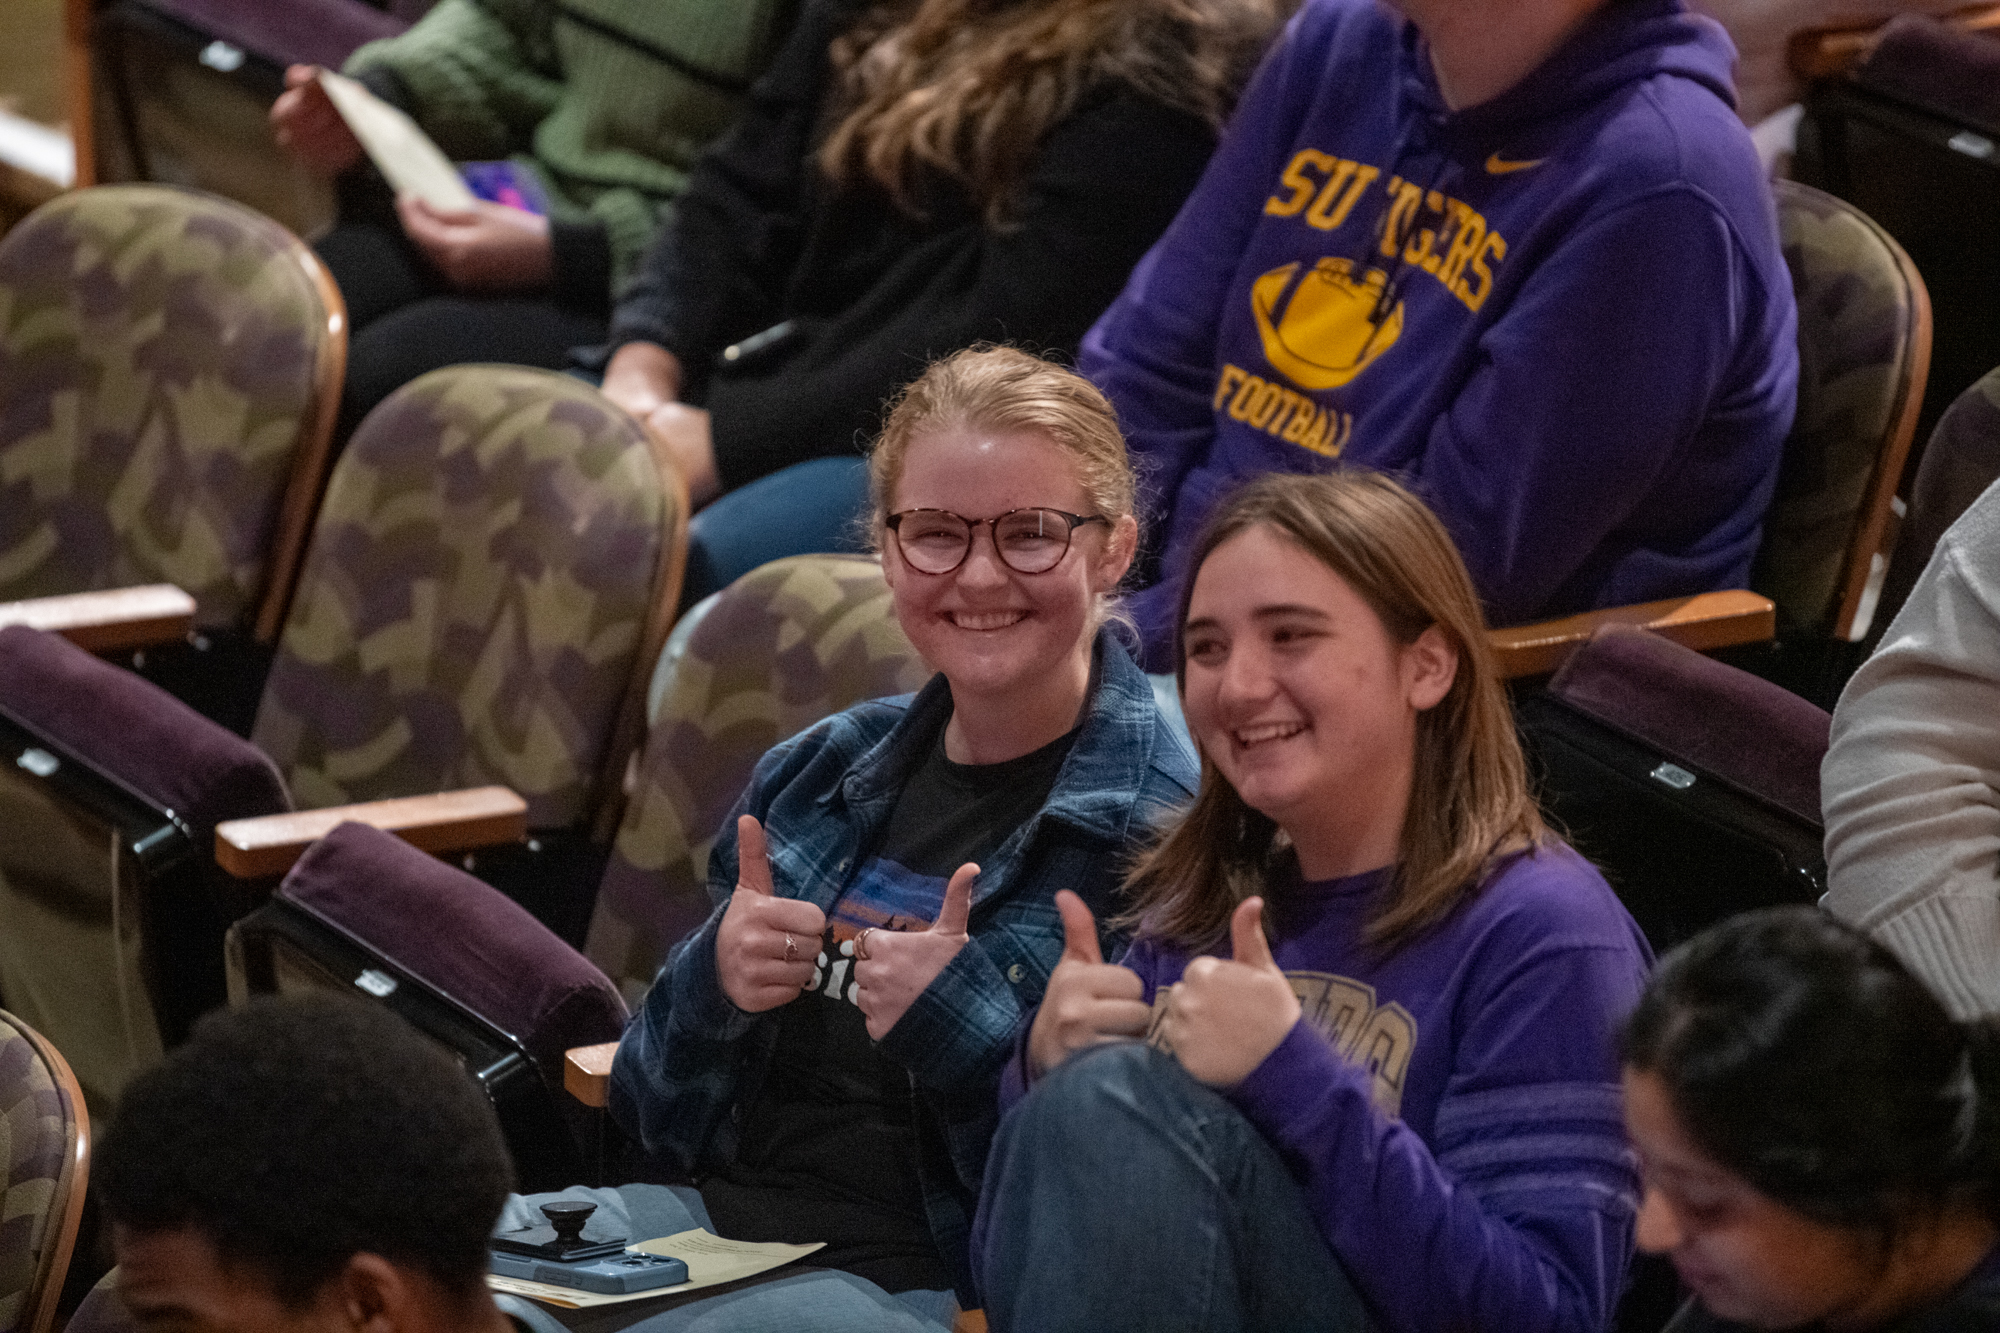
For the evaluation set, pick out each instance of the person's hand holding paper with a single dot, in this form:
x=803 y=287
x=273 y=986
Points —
x=305 y=121
x=476 y=245
x=484 y=247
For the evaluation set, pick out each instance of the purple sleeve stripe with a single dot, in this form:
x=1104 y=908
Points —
x=1537 y=1104
x=1606 y=1148
x=1566 y=1188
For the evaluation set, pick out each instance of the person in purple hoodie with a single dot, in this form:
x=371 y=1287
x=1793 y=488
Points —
x=1521 y=255
x=1400 y=1110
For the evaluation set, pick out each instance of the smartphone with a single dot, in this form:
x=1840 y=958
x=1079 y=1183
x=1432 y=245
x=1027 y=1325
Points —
x=618 y=1275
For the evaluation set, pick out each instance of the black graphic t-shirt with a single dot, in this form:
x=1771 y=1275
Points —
x=829 y=1144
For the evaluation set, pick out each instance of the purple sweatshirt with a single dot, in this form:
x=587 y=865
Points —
x=1453 y=1112
x=1562 y=315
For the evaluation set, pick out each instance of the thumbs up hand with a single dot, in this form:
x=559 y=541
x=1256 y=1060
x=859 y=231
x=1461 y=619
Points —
x=1226 y=1015
x=1088 y=1000
x=766 y=947
x=892 y=967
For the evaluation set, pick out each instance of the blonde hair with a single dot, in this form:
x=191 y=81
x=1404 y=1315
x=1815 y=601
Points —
x=1469 y=798
x=1004 y=389
x=969 y=87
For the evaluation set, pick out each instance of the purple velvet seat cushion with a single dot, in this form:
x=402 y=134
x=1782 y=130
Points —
x=1757 y=737
x=1933 y=64
x=460 y=937
x=137 y=733
x=287 y=32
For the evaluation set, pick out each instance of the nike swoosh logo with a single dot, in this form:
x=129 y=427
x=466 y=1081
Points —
x=1498 y=166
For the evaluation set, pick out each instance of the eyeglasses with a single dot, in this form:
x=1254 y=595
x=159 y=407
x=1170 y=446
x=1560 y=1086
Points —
x=1028 y=541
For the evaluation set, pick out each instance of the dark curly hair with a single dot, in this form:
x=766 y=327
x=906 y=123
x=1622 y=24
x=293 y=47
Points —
x=1802 y=1056
x=295 y=1133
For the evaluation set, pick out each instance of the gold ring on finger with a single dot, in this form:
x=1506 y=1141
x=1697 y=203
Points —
x=791 y=948
x=861 y=944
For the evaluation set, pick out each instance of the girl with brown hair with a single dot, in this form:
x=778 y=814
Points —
x=911 y=177
x=1399 y=1109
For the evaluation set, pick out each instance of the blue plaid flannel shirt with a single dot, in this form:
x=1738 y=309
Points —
x=691 y=1060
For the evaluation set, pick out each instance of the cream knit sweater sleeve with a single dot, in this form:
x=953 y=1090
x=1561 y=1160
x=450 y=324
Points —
x=1909 y=783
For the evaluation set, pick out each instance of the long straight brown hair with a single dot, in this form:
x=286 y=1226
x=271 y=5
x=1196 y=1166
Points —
x=1469 y=799
x=970 y=87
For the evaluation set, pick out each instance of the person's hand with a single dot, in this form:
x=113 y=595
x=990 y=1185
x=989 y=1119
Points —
x=1226 y=1015
x=684 y=431
x=485 y=248
x=1088 y=1000
x=304 y=121
x=892 y=967
x=642 y=378
x=766 y=947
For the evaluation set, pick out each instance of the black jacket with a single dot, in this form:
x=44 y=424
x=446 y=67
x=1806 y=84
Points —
x=872 y=293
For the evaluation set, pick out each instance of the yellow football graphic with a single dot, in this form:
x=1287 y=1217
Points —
x=1321 y=331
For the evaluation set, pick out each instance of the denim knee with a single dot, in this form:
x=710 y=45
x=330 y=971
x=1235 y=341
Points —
x=1118 y=1077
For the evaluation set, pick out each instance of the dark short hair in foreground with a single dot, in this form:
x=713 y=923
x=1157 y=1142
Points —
x=295 y=1133
x=1803 y=1056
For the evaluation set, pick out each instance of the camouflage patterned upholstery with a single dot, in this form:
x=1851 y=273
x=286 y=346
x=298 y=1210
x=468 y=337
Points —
x=494 y=558
x=1864 y=352
x=168 y=362
x=44 y=1150
x=782 y=647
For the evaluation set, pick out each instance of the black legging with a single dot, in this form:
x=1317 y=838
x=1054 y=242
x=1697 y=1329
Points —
x=404 y=319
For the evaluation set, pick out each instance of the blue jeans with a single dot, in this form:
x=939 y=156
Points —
x=820 y=505
x=824 y=1300
x=1122 y=1195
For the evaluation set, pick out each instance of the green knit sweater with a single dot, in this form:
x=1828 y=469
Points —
x=607 y=101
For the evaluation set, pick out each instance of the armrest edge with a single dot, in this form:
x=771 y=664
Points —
x=1703 y=622
x=587 y=1073
x=109 y=620
x=443 y=822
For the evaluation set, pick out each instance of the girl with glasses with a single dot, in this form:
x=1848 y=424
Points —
x=821 y=1057
x=1357 y=1070
x=1820 y=1142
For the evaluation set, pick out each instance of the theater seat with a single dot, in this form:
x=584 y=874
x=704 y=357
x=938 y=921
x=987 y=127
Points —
x=497 y=556
x=365 y=914
x=1864 y=355
x=44 y=1164
x=1961 y=459
x=1692 y=784
x=494 y=568
x=169 y=367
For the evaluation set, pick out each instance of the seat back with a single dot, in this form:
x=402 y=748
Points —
x=170 y=364
x=365 y=914
x=111 y=911
x=44 y=1165
x=1638 y=751
x=1864 y=355
x=784 y=646
x=1961 y=459
x=498 y=553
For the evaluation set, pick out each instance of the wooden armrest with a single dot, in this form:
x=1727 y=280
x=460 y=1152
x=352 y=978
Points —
x=115 y=620
x=1704 y=622
x=587 y=1073
x=1835 y=50
x=450 y=821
